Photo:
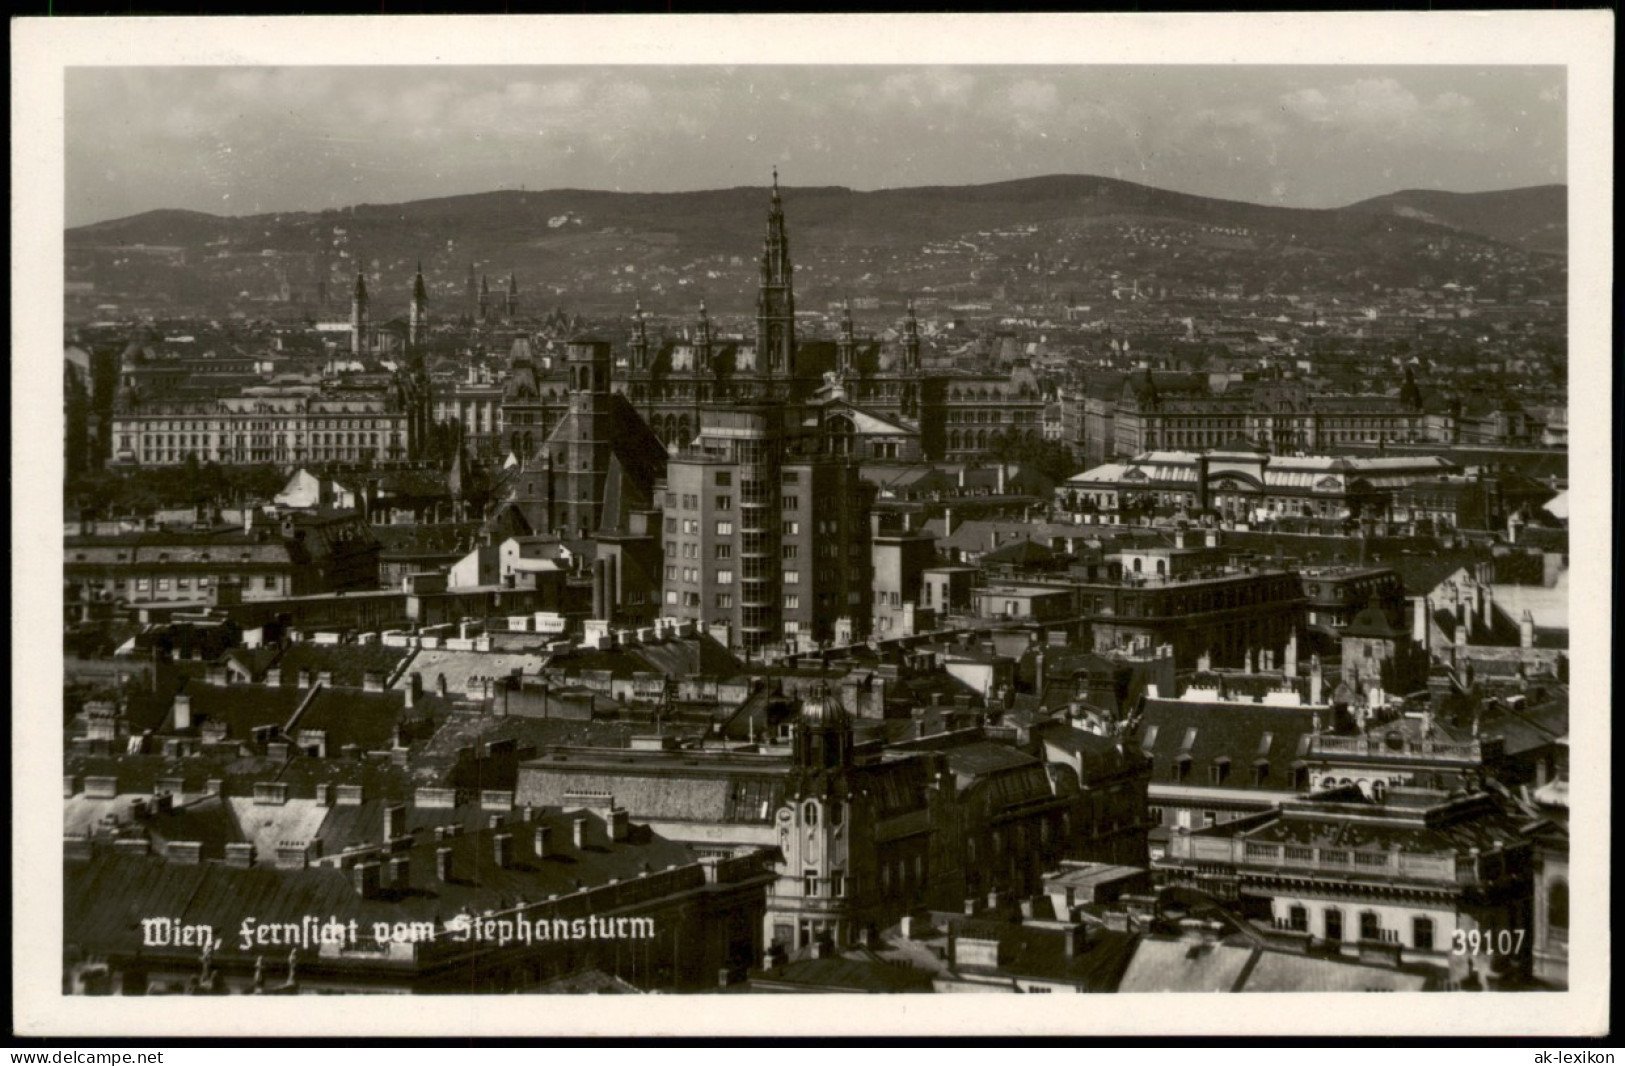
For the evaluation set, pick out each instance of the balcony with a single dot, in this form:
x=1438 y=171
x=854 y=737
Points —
x=1342 y=862
x=1377 y=746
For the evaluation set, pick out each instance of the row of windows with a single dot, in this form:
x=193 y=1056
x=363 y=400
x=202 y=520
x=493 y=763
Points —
x=244 y=425
x=1370 y=926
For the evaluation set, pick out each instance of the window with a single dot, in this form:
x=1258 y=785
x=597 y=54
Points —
x=791 y=503
x=792 y=577
x=837 y=884
x=725 y=529
x=725 y=601
x=1422 y=934
x=790 y=551
x=1182 y=768
x=724 y=551
x=725 y=577
x=792 y=529
x=671 y=573
x=163 y=584
x=1155 y=814
x=792 y=601
x=809 y=813
x=671 y=597
x=724 y=479
x=725 y=503
x=1332 y=922
x=1370 y=925
x=1298 y=918
x=1219 y=772
x=1210 y=818
x=1557 y=905
x=671 y=549
x=671 y=525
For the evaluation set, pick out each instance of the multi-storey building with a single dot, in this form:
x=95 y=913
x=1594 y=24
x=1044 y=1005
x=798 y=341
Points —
x=1179 y=411
x=764 y=534
x=300 y=555
x=266 y=425
x=164 y=423
x=1246 y=484
x=1418 y=876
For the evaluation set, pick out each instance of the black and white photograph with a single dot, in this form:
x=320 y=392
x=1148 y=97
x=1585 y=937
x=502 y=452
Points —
x=726 y=507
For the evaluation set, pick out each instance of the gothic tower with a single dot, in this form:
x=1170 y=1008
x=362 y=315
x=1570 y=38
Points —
x=587 y=445
x=358 y=315
x=510 y=302
x=485 y=297
x=775 y=302
x=702 y=342
x=471 y=294
x=911 y=342
x=640 y=340
x=417 y=323
x=846 y=348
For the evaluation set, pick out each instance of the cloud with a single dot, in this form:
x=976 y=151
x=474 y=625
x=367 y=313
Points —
x=1383 y=108
x=935 y=87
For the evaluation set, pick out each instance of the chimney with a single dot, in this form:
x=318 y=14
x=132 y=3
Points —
x=1526 y=630
x=239 y=856
x=372 y=681
x=273 y=677
x=1315 y=680
x=442 y=864
x=1488 y=597
x=304 y=678
x=502 y=849
x=544 y=841
x=1179 y=538
x=948 y=522
x=620 y=824
x=1289 y=666
x=578 y=830
x=394 y=821
x=1076 y=938
x=325 y=678
x=400 y=872
x=1419 y=621
x=368 y=879
x=183 y=713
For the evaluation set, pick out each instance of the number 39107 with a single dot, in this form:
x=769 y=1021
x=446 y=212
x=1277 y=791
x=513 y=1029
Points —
x=1488 y=941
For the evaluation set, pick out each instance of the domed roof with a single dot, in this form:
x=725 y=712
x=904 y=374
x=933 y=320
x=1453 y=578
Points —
x=821 y=710
x=1371 y=622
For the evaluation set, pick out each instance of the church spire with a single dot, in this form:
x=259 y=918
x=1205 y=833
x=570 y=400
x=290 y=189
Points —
x=417 y=320
x=358 y=314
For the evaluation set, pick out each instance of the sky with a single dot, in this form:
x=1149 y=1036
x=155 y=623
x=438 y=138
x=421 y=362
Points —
x=250 y=139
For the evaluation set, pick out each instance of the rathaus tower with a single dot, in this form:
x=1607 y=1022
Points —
x=775 y=303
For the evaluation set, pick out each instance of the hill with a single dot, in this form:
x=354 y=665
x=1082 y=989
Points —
x=1535 y=218
x=1071 y=233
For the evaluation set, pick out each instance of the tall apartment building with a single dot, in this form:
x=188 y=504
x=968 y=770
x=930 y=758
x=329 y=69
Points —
x=764 y=535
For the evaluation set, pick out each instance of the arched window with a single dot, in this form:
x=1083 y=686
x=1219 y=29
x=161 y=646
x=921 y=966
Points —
x=1298 y=918
x=809 y=813
x=1557 y=905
